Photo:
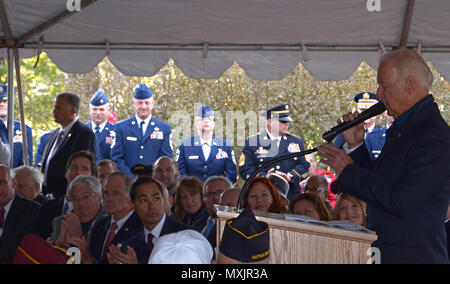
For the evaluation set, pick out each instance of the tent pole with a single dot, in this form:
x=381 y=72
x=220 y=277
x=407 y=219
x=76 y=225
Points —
x=407 y=24
x=21 y=110
x=11 y=105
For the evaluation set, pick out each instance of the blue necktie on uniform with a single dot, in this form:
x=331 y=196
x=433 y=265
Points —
x=97 y=132
x=141 y=125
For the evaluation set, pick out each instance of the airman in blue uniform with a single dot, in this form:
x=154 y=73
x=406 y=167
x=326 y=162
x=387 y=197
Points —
x=205 y=155
x=141 y=139
x=375 y=135
x=41 y=147
x=17 y=138
x=273 y=143
x=103 y=130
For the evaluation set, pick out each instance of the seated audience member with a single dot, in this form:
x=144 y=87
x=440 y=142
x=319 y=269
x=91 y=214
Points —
x=27 y=183
x=311 y=159
x=308 y=204
x=142 y=171
x=189 y=206
x=147 y=195
x=318 y=185
x=230 y=197
x=351 y=209
x=184 y=247
x=116 y=227
x=165 y=170
x=214 y=186
x=261 y=195
x=79 y=163
x=85 y=193
x=104 y=169
x=245 y=240
x=17 y=216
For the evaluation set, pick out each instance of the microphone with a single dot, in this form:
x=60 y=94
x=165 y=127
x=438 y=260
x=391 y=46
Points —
x=371 y=112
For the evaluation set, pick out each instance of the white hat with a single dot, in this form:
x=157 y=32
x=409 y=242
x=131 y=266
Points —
x=183 y=247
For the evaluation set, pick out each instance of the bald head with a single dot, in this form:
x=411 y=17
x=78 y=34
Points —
x=407 y=62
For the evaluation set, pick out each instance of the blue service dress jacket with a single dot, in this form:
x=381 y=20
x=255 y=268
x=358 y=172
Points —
x=259 y=149
x=104 y=141
x=407 y=189
x=375 y=141
x=17 y=143
x=130 y=147
x=221 y=161
x=41 y=147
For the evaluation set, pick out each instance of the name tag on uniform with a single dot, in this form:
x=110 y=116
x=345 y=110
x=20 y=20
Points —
x=193 y=157
x=130 y=138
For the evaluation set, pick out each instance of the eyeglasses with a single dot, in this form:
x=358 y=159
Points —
x=83 y=199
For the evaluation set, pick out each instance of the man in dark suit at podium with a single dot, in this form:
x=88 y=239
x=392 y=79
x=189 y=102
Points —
x=407 y=189
x=17 y=217
x=73 y=136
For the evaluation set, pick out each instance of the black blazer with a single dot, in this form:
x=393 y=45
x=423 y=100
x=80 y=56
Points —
x=20 y=220
x=79 y=138
x=100 y=231
x=49 y=211
x=447 y=228
x=139 y=244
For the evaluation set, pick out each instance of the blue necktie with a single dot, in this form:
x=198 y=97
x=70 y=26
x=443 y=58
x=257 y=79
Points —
x=97 y=132
x=142 y=127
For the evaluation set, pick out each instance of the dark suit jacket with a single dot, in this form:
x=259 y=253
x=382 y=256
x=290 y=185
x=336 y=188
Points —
x=447 y=227
x=407 y=189
x=80 y=137
x=49 y=211
x=20 y=220
x=100 y=231
x=139 y=244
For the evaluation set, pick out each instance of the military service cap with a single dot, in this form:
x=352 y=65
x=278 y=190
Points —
x=365 y=99
x=3 y=93
x=99 y=99
x=204 y=111
x=142 y=92
x=245 y=239
x=280 y=112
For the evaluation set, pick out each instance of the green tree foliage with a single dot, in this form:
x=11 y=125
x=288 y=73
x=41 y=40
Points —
x=315 y=105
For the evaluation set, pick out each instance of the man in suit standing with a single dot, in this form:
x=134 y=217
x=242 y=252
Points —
x=273 y=143
x=148 y=197
x=17 y=138
x=407 y=189
x=103 y=130
x=141 y=139
x=17 y=217
x=205 y=155
x=73 y=136
x=113 y=229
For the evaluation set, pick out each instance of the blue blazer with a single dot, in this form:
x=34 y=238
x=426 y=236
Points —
x=192 y=162
x=17 y=143
x=139 y=244
x=131 y=147
x=104 y=141
x=100 y=231
x=407 y=189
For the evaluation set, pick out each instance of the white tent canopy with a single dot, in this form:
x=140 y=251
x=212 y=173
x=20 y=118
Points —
x=268 y=38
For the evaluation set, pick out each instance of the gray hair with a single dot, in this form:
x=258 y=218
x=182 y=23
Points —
x=91 y=182
x=212 y=179
x=410 y=63
x=126 y=178
x=33 y=173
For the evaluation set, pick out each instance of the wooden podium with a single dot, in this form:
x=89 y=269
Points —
x=297 y=242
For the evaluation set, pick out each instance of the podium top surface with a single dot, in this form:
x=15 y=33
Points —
x=278 y=221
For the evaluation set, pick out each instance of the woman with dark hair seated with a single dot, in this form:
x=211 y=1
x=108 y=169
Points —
x=189 y=206
x=310 y=205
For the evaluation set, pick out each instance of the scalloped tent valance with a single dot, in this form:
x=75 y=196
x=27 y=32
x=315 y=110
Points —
x=268 y=38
